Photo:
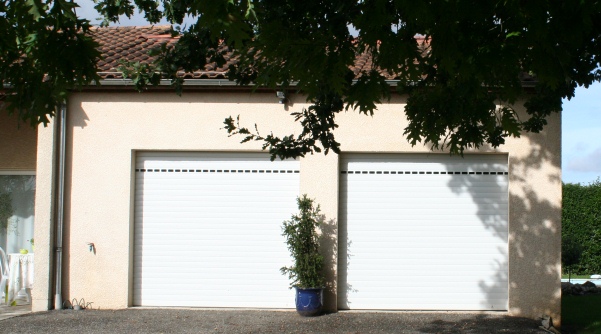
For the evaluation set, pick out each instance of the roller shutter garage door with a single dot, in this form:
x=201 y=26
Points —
x=208 y=229
x=423 y=232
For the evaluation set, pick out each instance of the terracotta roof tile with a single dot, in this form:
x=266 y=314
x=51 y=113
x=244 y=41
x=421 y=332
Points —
x=133 y=44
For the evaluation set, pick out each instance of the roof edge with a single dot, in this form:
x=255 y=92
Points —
x=229 y=83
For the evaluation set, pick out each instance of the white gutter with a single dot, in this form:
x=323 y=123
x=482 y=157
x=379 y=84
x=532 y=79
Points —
x=224 y=83
x=202 y=82
x=228 y=83
x=58 y=264
x=166 y=82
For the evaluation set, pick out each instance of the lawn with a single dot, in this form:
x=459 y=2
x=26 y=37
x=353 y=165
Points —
x=581 y=314
x=576 y=276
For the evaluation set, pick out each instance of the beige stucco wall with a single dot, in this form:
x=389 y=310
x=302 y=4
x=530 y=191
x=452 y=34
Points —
x=18 y=153
x=105 y=129
x=42 y=293
x=18 y=148
x=534 y=202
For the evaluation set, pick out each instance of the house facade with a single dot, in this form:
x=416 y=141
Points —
x=17 y=183
x=161 y=208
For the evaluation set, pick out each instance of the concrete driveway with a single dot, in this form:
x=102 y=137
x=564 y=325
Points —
x=154 y=320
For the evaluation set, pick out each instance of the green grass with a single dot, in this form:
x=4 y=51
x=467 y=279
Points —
x=576 y=276
x=581 y=314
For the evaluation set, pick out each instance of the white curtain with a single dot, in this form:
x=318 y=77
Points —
x=17 y=193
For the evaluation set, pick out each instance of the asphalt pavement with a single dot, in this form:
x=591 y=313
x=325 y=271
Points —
x=173 y=320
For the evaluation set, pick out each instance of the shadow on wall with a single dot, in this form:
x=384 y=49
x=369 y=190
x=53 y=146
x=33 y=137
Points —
x=536 y=225
x=534 y=237
x=78 y=118
x=329 y=249
x=344 y=261
x=487 y=184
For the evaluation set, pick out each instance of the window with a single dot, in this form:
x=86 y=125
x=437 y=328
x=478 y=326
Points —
x=17 y=193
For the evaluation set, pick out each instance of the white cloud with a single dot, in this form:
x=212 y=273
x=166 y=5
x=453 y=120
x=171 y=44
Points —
x=86 y=10
x=581 y=126
x=576 y=148
x=588 y=163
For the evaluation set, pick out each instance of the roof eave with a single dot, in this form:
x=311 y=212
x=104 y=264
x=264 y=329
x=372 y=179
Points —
x=229 y=83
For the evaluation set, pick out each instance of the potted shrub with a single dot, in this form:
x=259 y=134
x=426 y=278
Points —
x=306 y=272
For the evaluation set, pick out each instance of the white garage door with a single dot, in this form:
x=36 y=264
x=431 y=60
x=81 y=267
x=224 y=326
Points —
x=208 y=229
x=423 y=232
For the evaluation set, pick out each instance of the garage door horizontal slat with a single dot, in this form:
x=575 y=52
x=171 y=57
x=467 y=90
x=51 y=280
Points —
x=423 y=231
x=208 y=229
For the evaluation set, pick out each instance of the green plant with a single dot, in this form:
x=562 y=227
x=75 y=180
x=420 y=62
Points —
x=303 y=243
x=581 y=220
x=581 y=314
x=571 y=252
x=574 y=276
x=6 y=209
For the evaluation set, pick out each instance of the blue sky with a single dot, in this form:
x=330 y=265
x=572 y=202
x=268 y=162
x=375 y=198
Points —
x=581 y=121
x=581 y=136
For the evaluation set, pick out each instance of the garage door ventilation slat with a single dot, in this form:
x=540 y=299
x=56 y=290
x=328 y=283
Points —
x=274 y=171
x=423 y=232
x=422 y=172
x=207 y=229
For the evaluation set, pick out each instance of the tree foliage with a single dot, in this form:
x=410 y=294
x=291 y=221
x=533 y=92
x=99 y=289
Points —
x=581 y=223
x=571 y=252
x=45 y=51
x=470 y=57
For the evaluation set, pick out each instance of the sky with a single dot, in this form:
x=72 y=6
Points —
x=581 y=136
x=581 y=120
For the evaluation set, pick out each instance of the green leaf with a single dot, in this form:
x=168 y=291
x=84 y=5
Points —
x=454 y=61
x=35 y=9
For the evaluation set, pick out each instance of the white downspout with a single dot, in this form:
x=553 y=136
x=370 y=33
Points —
x=58 y=264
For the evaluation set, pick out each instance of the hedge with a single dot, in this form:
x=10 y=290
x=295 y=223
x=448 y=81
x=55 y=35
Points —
x=581 y=220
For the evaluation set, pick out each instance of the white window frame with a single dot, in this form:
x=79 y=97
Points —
x=17 y=172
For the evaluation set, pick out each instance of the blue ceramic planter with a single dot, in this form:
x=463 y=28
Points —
x=309 y=302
